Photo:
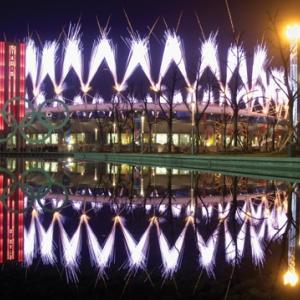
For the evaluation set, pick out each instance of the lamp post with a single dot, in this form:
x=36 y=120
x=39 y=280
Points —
x=142 y=132
x=96 y=134
x=114 y=136
x=192 y=90
x=291 y=276
x=155 y=88
x=293 y=35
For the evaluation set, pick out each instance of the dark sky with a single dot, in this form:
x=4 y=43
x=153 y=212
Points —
x=49 y=16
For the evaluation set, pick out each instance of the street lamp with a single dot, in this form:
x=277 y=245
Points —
x=191 y=90
x=156 y=89
x=142 y=132
x=293 y=35
x=96 y=134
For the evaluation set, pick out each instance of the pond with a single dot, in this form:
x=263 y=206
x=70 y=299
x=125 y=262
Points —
x=86 y=229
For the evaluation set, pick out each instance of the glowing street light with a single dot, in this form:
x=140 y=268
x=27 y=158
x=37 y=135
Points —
x=290 y=277
x=293 y=35
x=96 y=134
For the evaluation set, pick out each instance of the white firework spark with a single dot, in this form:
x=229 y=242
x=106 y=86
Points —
x=72 y=57
x=32 y=63
x=171 y=256
x=173 y=52
x=208 y=97
x=209 y=57
x=48 y=62
x=100 y=257
x=176 y=210
x=207 y=211
x=236 y=60
x=30 y=240
x=207 y=251
x=76 y=205
x=137 y=252
x=139 y=55
x=230 y=247
x=241 y=238
x=102 y=50
x=71 y=249
x=78 y=100
x=46 y=242
x=259 y=65
x=258 y=255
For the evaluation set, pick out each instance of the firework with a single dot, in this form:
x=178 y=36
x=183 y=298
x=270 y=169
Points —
x=46 y=242
x=171 y=256
x=173 y=52
x=71 y=250
x=30 y=240
x=236 y=60
x=100 y=257
x=137 y=252
x=209 y=57
x=139 y=55
x=207 y=251
x=259 y=66
x=102 y=50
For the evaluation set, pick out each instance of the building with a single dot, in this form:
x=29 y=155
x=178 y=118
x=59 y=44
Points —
x=11 y=220
x=12 y=89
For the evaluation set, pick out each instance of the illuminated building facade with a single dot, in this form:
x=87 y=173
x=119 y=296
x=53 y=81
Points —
x=11 y=221
x=12 y=86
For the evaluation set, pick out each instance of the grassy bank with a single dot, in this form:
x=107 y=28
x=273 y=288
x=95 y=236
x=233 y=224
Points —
x=269 y=167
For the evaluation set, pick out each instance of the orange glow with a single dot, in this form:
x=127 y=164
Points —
x=290 y=278
x=293 y=32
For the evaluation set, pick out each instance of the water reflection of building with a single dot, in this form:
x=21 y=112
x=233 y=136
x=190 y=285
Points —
x=56 y=238
x=11 y=220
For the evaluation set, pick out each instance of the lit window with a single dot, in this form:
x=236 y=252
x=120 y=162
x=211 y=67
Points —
x=175 y=139
x=112 y=138
x=54 y=166
x=54 y=138
x=161 y=171
x=184 y=139
x=161 y=138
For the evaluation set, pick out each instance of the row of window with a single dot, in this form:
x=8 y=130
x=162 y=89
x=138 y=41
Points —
x=159 y=138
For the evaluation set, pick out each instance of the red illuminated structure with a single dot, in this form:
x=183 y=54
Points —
x=12 y=85
x=11 y=222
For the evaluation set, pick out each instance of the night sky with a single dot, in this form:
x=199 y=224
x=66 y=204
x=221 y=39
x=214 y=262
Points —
x=47 y=17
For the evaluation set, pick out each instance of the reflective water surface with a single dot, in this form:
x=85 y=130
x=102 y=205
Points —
x=126 y=229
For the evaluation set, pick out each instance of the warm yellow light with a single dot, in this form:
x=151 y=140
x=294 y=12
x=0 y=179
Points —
x=293 y=32
x=153 y=219
x=190 y=219
x=117 y=219
x=34 y=213
x=56 y=215
x=84 y=218
x=155 y=88
x=290 y=278
x=118 y=88
x=191 y=89
x=57 y=90
x=85 y=89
